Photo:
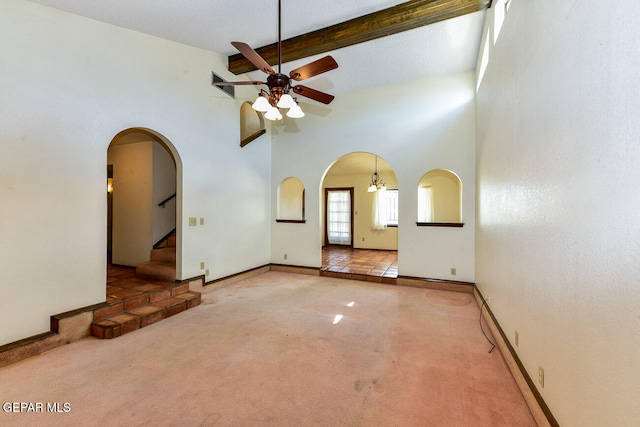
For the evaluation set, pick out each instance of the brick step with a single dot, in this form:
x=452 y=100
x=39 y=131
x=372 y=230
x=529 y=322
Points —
x=124 y=316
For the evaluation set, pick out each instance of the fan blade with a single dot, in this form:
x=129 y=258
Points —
x=314 y=68
x=316 y=95
x=253 y=56
x=249 y=82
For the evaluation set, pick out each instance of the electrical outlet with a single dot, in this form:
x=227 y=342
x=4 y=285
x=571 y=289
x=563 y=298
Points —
x=363 y=239
x=193 y=221
x=517 y=338
x=202 y=265
x=453 y=271
x=541 y=376
x=285 y=256
x=206 y=272
x=201 y=221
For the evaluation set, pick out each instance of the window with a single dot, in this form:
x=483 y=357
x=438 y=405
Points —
x=425 y=204
x=392 y=207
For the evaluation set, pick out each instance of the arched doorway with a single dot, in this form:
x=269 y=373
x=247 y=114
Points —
x=144 y=174
x=359 y=211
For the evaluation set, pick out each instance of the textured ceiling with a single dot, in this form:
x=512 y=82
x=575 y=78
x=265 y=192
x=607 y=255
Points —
x=446 y=47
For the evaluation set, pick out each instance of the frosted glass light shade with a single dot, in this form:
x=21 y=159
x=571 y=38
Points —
x=295 y=112
x=261 y=104
x=273 y=114
x=286 y=101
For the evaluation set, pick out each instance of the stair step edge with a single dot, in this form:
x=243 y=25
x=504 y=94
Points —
x=127 y=321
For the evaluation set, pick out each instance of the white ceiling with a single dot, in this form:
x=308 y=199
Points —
x=446 y=47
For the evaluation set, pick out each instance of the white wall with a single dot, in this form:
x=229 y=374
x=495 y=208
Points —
x=69 y=85
x=132 y=202
x=415 y=127
x=164 y=185
x=556 y=247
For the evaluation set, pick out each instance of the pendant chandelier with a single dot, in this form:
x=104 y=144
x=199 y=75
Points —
x=376 y=181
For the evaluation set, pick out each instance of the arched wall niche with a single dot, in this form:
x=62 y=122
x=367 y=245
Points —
x=440 y=198
x=290 y=203
x=251 y=124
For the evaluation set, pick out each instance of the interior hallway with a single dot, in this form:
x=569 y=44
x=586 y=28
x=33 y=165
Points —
x=273 y=351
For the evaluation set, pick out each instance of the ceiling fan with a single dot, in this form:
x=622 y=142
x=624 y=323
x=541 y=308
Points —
x=270 y=101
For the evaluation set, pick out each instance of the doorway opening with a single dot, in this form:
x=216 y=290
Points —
x=144 y=204
x=360 y=218
x=144 y=201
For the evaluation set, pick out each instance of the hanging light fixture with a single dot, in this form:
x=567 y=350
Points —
x=277 y=98
x=279 y=85
x=278 y=95
x=376 y=182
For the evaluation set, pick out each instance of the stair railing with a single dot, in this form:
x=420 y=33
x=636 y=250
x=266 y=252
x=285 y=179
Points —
x=160 y=242
x=164 y=202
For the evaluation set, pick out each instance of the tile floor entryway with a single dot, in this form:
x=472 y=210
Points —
x=372 y=265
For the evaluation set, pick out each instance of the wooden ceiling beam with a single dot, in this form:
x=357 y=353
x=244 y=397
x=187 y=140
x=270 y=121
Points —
x=405 y=16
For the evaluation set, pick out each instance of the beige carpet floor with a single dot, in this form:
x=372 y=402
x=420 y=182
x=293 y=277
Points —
x=273 y=351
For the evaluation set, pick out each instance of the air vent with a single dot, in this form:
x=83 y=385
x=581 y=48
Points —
x=229 y=90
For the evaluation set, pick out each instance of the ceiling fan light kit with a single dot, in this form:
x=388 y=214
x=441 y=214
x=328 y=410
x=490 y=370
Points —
x=279 y=85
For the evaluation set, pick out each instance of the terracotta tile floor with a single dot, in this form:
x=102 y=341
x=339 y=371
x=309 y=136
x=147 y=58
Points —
x=135 y=302
x=369 y=262
x=123 y=284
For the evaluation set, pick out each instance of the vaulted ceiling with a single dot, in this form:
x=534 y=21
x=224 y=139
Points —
x=376 y=43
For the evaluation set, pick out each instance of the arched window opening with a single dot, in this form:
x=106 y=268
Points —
x=290 y=205
x=440 y=199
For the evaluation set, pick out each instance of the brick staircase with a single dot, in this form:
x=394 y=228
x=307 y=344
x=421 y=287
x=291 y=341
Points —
x=136 y=302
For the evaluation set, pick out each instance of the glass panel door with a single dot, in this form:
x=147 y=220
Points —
x=339 y=217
